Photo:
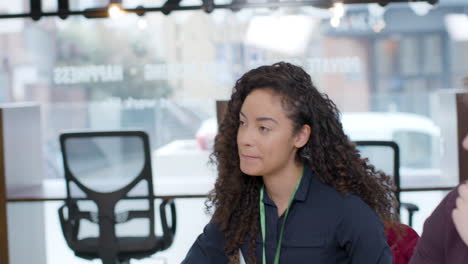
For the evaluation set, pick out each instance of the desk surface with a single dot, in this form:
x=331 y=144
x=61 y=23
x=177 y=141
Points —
x=54 y=190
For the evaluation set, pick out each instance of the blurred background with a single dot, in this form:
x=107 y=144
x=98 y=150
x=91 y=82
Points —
x=389 y=69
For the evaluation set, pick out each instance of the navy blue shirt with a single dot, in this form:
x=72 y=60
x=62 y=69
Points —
x=323 y=227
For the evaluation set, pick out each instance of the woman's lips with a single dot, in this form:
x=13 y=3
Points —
x=248 y=157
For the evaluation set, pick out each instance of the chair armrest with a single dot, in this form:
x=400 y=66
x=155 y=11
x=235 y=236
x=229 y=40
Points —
x=168 y=231
x=411 y=208
x=70 y=226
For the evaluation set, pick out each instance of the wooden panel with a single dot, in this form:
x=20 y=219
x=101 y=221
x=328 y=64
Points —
x=462 y=121
x=3 y=208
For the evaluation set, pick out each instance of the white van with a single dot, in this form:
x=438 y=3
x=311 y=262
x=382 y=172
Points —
x=418 y=138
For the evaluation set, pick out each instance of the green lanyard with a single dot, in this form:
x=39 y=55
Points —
x=263 y=225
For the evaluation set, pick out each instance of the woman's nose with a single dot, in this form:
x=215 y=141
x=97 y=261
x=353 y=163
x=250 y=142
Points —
x=244 y=137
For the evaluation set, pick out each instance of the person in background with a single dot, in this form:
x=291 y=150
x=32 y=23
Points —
x=291 y=187
x=445 y=234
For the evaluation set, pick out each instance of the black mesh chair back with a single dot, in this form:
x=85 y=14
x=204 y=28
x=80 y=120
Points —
x=385 y=156
x=110 y=190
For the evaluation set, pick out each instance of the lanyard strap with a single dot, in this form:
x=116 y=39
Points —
x=263 y=222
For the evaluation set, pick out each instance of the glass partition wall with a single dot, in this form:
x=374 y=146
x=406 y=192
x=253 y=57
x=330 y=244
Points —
x=390 y=70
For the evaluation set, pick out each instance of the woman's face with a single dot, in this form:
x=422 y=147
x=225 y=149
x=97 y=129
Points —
x=265 y=139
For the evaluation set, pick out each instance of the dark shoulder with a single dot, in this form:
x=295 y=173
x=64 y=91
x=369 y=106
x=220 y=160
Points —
x=354 y=205
x=343 y=206
x=331 y=195
x=442 y=213
x=449 y=202
x=326 y=192
x=213 y=228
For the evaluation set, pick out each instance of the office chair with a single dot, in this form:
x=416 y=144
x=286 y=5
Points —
x=385 y=156
x=110 y=189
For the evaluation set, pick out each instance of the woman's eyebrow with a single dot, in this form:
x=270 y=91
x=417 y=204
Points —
x=266 y=119
x=259 y=119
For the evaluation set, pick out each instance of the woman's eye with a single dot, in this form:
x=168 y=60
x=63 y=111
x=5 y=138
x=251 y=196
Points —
x=264 y=129
x=241 y=122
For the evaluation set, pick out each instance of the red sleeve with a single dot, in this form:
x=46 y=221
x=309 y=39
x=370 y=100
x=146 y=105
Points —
x=402 y=245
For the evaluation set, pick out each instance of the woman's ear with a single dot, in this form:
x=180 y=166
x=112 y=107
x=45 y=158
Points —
x=302 y=136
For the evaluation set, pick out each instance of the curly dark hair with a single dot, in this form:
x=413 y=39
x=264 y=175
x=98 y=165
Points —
x=329 y=153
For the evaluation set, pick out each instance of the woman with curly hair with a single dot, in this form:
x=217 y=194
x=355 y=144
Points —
x=292 y=188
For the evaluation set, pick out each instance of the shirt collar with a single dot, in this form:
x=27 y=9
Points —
x=302 y=191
